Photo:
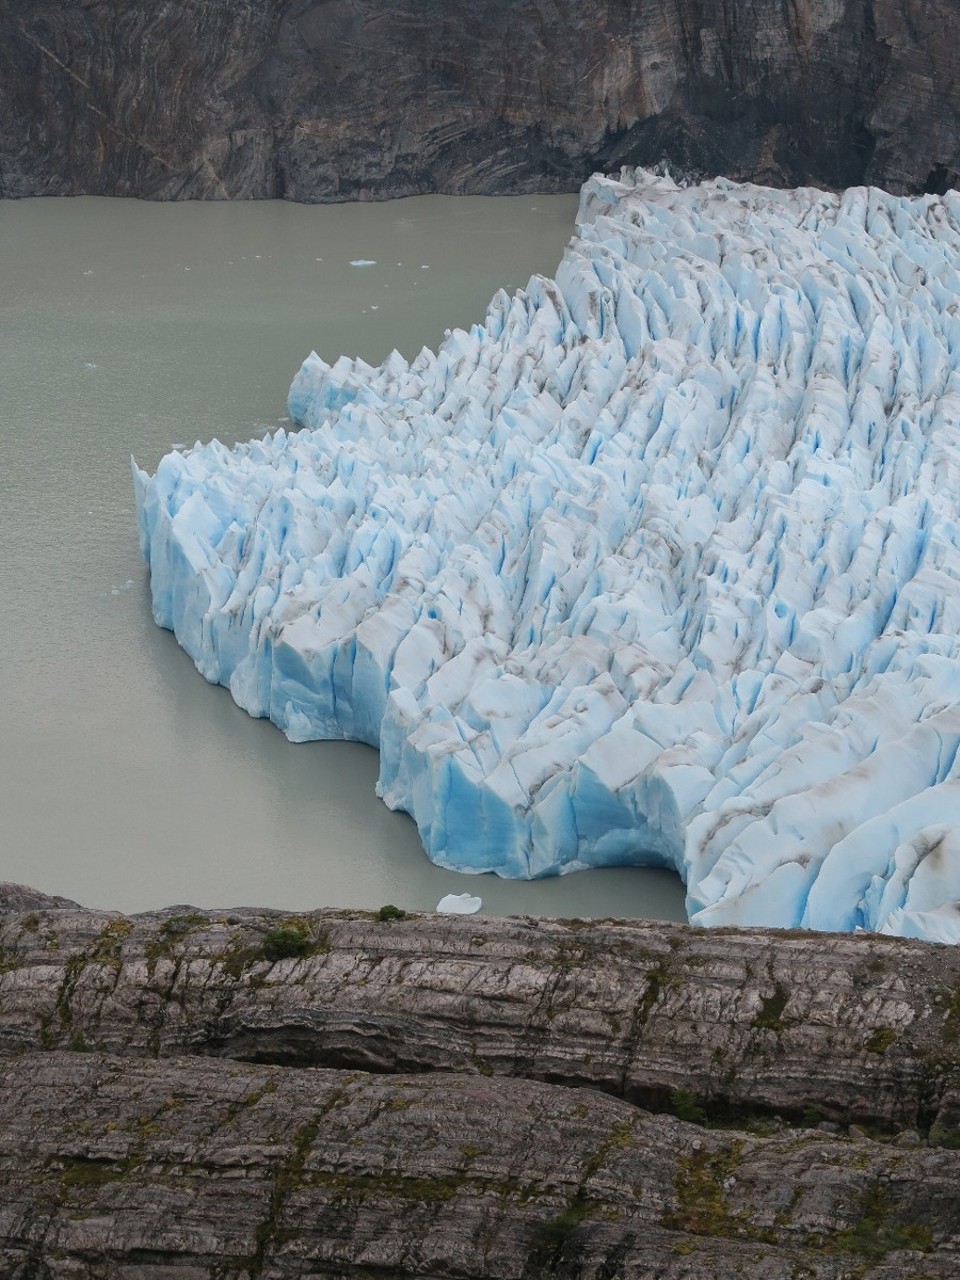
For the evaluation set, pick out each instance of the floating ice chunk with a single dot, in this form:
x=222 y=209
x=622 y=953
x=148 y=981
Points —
x=459 y=904
x=658 y=565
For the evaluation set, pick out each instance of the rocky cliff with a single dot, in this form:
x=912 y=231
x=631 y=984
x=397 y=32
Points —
x=194 y=1095
x=348 y=99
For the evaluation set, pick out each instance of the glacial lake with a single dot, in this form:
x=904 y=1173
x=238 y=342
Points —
x=126 y=781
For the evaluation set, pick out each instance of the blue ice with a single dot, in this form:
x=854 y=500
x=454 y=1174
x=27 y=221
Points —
x=657 y=566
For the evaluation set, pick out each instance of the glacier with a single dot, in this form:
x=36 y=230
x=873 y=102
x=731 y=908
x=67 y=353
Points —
x=658 y=565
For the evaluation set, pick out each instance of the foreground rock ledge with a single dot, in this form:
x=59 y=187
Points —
x=475 y=1097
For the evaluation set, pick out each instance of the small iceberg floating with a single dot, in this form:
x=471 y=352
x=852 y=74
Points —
x=459 y=904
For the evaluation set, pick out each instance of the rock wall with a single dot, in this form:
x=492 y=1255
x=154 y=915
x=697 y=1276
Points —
x=353 y=99
x=241 y=1095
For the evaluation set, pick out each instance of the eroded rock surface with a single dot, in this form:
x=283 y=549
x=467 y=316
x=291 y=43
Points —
x=862 y=1028
x=347 y=99
x=179 y=1167
x=247 y=1094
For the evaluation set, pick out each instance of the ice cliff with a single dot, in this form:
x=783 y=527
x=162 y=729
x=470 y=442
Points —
x=656 y=566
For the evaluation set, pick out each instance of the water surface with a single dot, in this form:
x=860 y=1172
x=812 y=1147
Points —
x=126 y=781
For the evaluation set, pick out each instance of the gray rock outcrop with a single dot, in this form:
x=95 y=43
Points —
x=247 y=1094
x=321 y=100
x=112 y=1167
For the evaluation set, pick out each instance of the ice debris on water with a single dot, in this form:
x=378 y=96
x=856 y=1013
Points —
x=658 y=565
x=459 y=904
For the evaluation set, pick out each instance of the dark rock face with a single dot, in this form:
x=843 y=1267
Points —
x=239 y=1095
x=348 y=99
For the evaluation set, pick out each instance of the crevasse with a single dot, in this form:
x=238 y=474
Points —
x=658 y=565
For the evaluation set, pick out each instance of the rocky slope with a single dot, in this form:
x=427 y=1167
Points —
x=244 y=1094
x=347 y=99
x=117 y=1167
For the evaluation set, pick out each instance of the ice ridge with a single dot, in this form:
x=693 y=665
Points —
x=658 y=565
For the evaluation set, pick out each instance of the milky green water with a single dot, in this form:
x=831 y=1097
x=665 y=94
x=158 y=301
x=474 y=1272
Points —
x=126 y=328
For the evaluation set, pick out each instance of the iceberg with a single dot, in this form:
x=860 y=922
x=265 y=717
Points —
x=459 y=904
x=658 y=565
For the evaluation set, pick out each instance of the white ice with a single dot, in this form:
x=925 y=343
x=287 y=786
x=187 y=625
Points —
x=459 y=904
x=658 y=565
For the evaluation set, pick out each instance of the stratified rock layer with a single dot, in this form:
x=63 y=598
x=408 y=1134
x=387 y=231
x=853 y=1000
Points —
x=748 y=1022
x=446 y=1097
x=341 y=100
x=181 y=1168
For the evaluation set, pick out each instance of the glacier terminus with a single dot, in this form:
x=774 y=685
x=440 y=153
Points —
x=658 y=565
